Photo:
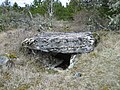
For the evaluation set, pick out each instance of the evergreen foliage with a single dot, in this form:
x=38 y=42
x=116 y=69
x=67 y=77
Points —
x=15 y=7
x=59 y=11
x=102 y=10
x=106 y=10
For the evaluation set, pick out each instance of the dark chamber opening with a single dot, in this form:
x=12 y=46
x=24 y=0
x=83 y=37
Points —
x=66 y=60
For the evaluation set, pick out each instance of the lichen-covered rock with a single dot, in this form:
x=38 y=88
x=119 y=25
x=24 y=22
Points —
x=3 y=59
x=7 y=60
x=60 y=42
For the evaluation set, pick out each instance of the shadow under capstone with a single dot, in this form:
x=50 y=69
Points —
x=51 y=60
x=66 y=60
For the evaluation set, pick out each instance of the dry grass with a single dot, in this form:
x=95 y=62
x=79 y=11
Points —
x=100 y=69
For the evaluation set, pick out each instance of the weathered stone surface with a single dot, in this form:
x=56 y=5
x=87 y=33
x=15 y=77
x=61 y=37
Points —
x=3 y=59
x=60 y=42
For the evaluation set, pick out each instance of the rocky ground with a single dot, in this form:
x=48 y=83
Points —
x=98 y=70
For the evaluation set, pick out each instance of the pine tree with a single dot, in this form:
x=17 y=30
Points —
x=15 y=6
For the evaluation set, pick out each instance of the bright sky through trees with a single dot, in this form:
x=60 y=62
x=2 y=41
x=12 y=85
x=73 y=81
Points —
x=23 y=2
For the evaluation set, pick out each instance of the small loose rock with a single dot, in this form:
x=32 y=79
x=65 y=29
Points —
x=77 y=74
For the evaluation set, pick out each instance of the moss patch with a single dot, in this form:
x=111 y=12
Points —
x=23 y=87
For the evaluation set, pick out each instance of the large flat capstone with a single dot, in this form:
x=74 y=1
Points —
x=61 y=42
